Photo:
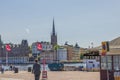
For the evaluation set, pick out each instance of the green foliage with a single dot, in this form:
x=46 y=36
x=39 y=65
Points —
x=56 y=47
x=81 y=56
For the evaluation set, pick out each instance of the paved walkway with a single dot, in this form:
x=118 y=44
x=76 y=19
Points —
x=9 y=79
x=52 y=75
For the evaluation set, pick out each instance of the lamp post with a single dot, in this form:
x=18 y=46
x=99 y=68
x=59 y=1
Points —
x=6 y=58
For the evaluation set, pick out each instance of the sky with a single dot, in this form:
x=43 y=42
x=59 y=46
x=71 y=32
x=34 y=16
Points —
x=76 y=21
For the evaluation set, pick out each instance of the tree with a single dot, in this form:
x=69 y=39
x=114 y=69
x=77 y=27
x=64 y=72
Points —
x=81 y=56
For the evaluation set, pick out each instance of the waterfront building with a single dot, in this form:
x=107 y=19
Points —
x=35 y=51
x=47 y=55
x=92 y=54
x=46 y=45
x=62 y=54
x=19 y=53
x=46 y=52
x=69 y=51
x=76 y=52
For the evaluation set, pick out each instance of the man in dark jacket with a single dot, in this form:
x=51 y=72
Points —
x=36 y=70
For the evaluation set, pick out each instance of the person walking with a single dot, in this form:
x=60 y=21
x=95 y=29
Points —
x=36 y=70
x=2 y=70
x=11 y=67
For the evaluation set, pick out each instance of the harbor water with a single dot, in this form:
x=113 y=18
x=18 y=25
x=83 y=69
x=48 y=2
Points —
x=25 y=67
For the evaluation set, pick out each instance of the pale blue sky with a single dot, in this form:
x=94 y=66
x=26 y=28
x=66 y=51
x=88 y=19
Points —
x=81 y=21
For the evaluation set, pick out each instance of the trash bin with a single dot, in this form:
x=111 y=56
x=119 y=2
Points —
x=29 y=69
x=80 y=68
x=16 y=70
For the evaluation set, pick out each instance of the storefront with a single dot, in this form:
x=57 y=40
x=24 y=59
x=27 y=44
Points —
x=110 y=67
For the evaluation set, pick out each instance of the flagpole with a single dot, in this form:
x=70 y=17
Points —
x=6 y=58
x=8 y=48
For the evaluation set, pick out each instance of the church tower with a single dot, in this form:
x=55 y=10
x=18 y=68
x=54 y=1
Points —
x=1 y=43
x=53 y=35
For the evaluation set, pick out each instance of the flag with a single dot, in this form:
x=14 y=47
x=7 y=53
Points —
x=8 y=48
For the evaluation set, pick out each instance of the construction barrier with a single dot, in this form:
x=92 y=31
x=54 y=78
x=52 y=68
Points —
x=44 y=75
x=117 y=75
x=117 y=78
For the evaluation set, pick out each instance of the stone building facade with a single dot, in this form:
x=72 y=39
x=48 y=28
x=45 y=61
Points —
x=19 y=53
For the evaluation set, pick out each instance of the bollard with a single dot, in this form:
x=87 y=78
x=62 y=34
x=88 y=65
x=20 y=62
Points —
x=16 y=70
x=29 y=69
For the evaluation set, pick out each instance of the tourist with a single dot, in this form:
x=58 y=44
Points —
x=36 y=70
x=2 y=70
x=11 y=67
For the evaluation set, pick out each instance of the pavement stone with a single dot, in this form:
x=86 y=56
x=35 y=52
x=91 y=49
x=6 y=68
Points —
x=52 y=75
x=10 y=79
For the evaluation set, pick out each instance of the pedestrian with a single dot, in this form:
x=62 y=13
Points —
x=36 y=70
x=2 y=70
x=11 y=67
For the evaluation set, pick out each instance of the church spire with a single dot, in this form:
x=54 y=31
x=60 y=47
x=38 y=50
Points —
x=53 y=35
x=53 y=30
